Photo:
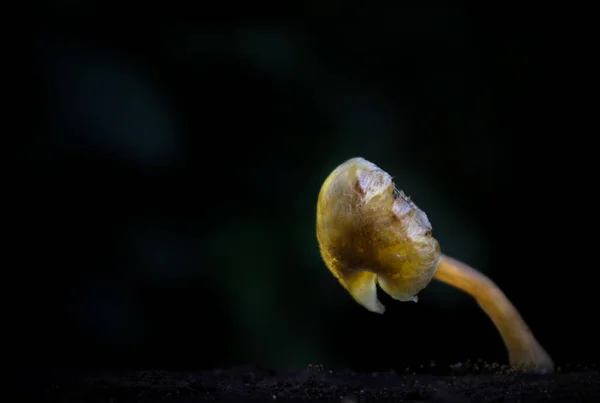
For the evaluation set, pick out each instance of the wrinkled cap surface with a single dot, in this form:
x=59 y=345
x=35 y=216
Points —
x=371 y=233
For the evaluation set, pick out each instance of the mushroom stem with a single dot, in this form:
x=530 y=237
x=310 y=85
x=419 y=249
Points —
x=524 y=350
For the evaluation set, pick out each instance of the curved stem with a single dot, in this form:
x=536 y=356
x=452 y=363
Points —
x=524 y=350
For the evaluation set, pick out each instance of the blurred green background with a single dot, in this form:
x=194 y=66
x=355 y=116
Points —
x=176 y=160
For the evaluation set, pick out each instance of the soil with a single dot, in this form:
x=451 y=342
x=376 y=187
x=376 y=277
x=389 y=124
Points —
x=252 y=384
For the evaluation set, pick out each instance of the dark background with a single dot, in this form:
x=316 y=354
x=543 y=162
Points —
x=170 y=185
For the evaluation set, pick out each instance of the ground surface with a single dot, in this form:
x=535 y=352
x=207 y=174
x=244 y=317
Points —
x=249 y=384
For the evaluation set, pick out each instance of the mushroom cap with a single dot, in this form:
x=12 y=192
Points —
x=370 y=233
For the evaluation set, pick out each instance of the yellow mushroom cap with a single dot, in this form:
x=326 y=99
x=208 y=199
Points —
x=370 y=232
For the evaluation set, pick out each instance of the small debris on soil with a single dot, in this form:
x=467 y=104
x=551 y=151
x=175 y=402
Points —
x=253 y=384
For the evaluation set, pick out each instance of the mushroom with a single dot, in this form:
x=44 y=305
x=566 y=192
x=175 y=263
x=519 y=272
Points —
x=371 y=233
